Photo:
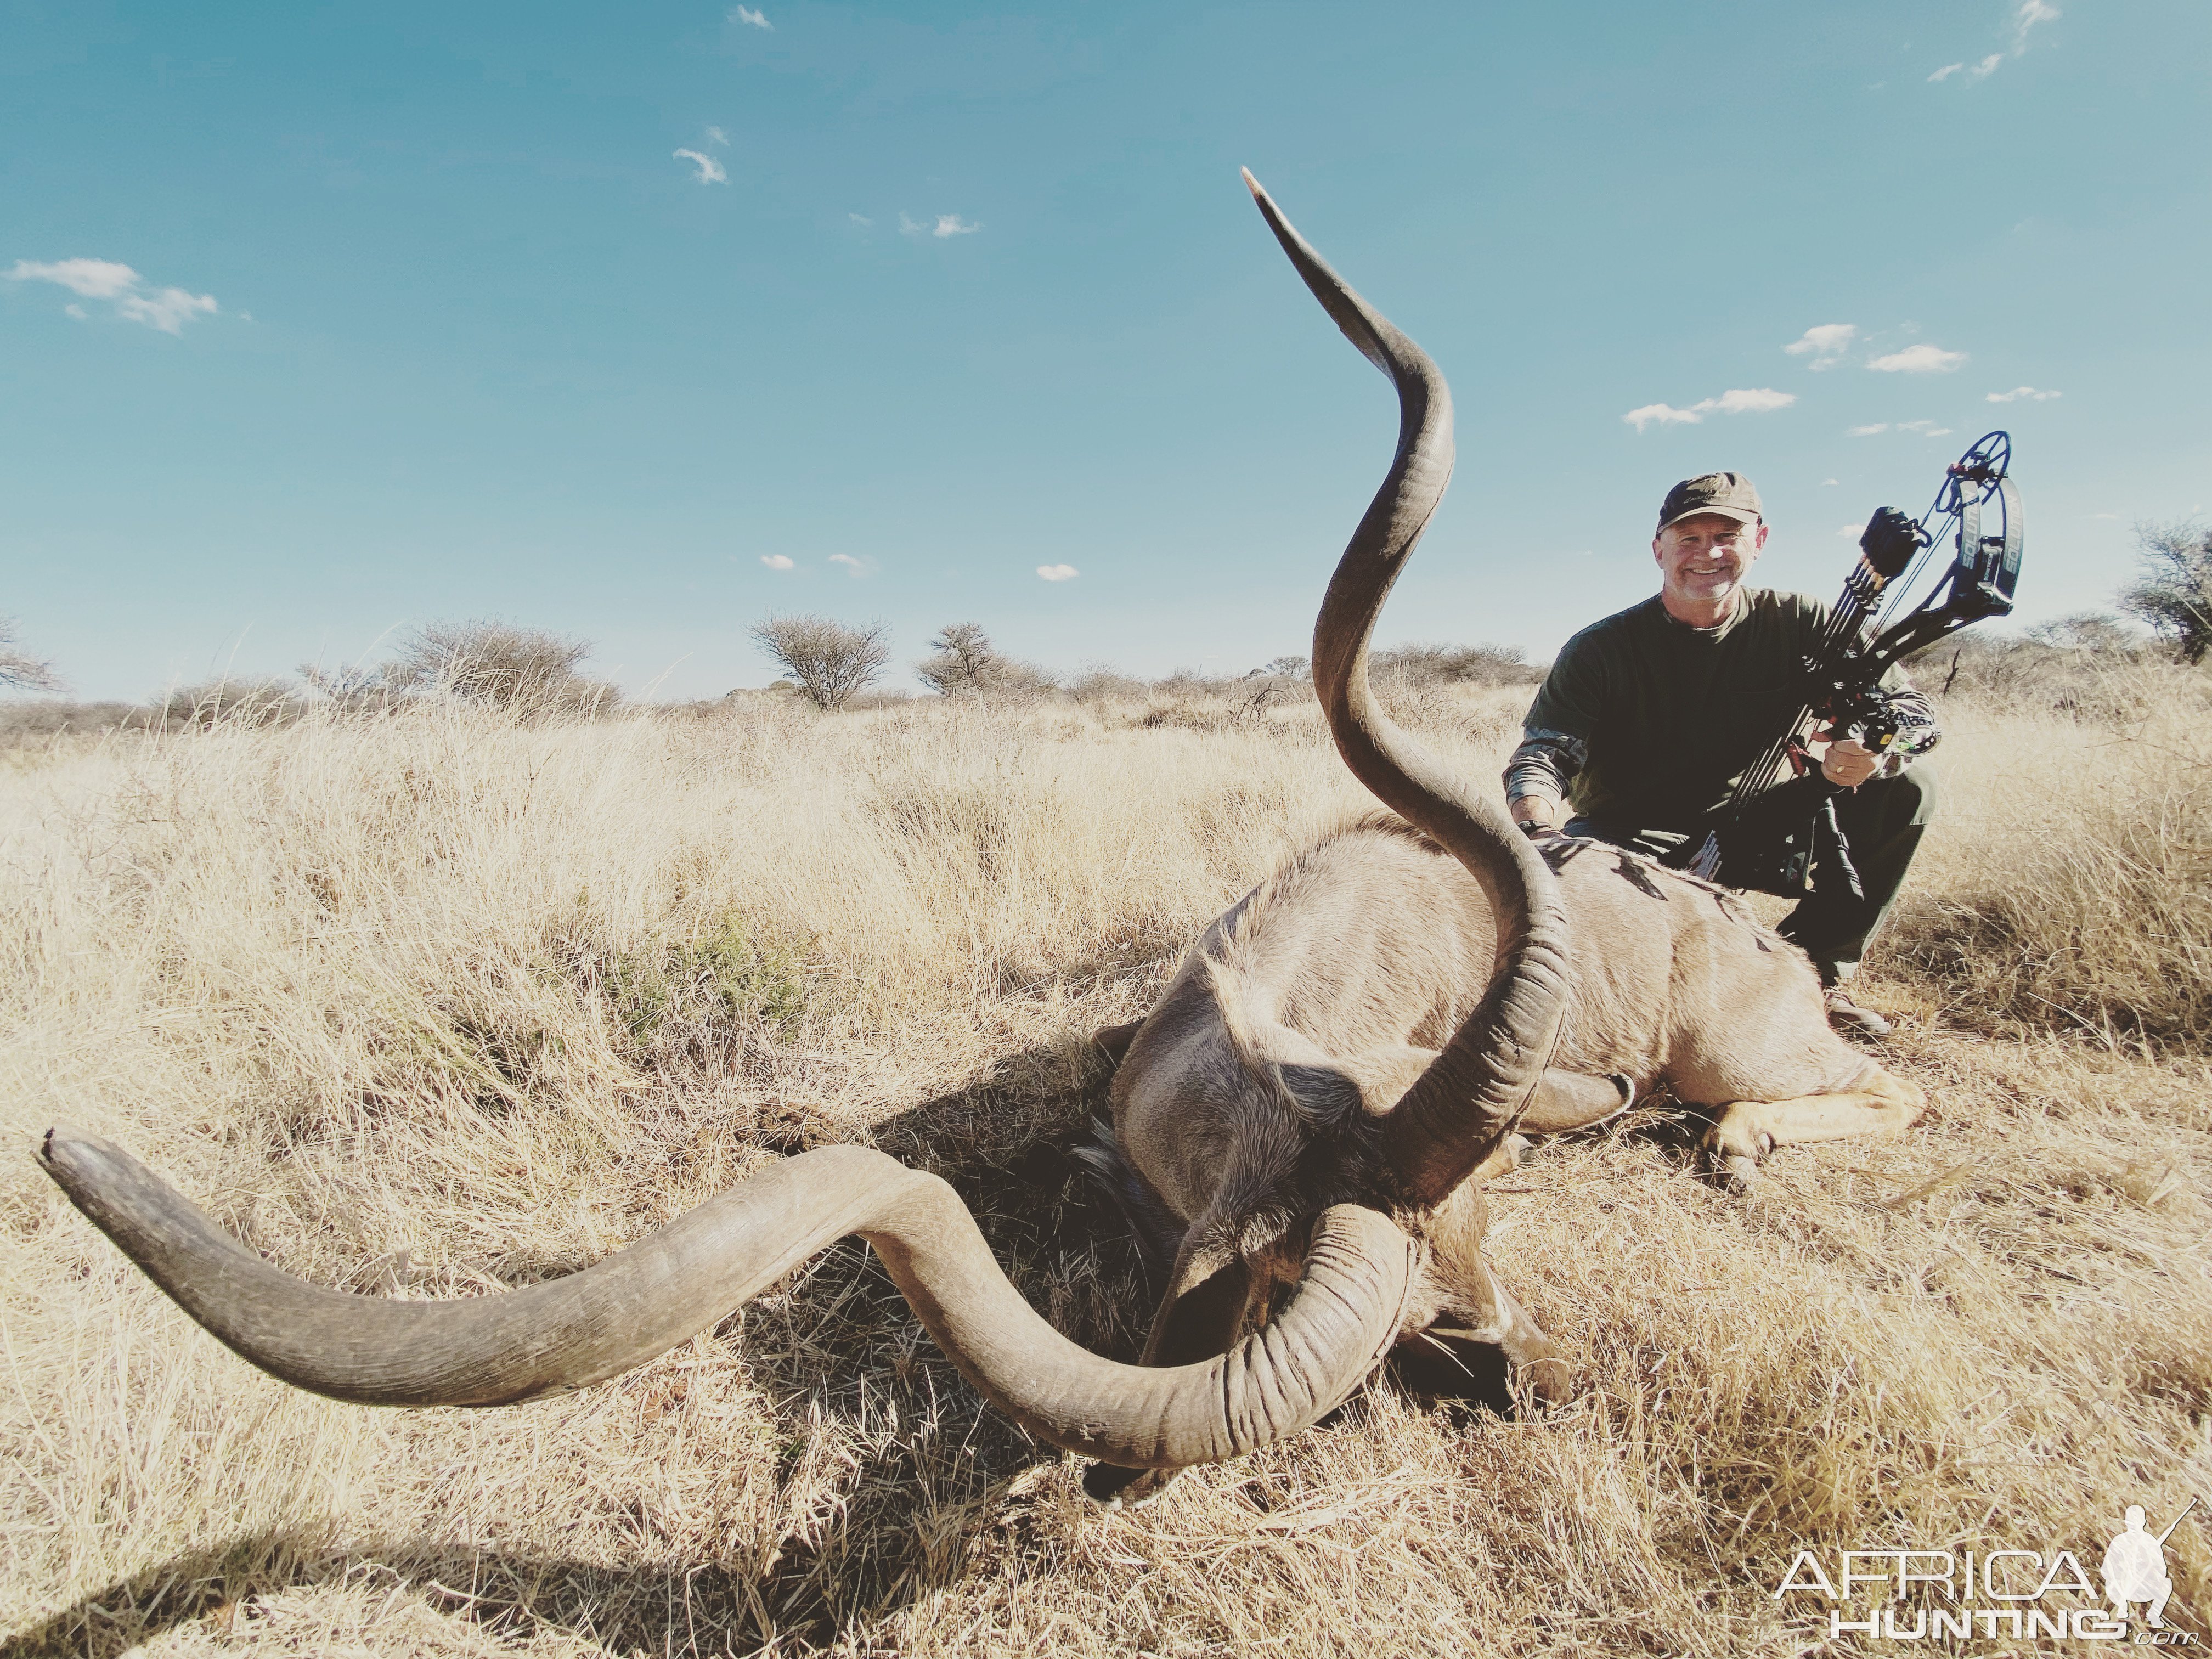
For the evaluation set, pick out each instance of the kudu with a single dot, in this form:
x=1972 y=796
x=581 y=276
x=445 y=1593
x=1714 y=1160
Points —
x=1280 y=1104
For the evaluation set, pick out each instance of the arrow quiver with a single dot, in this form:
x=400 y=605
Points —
x=1777 y=832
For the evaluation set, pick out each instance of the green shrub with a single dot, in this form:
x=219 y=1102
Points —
x=710 y=984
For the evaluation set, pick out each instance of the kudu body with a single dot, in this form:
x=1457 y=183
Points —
x=1338 y=1082
x=1314 y=1001
x=1271 y=1078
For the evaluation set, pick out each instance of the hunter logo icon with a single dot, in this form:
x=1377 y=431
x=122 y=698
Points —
x=1903 y=1595
x=2135 y=1567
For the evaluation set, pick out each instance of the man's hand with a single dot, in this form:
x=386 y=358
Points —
x=1850 y=762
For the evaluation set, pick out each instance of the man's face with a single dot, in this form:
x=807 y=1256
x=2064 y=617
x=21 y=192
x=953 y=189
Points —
x=1703 y=560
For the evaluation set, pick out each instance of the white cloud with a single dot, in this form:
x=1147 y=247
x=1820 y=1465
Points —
x=1759 y=400
x=1921 y=359
x=2024 y=393
x=2024 y=16
x=860 y=218
x=1665 y=414
x=716 y=136
x=1867 y=431
x=946 y=224
x=853 y=566
x=1058 y=573
x=710 y=170
x=747 y=14
x=168 y=309
x=776 y=560
x=1824 y=344
x=1737 y=400
x=1849 y=530
x=96 y=279
x=1825 y=482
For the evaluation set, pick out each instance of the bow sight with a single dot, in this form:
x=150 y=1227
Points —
x=1979 y=582
x=1780 y=837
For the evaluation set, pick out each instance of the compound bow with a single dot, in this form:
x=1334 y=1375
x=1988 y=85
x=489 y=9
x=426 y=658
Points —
x=1781 y=837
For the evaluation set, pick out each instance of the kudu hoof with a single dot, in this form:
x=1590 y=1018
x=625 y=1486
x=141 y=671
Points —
x=1734 y=1172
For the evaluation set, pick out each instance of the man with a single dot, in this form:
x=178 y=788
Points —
x=2135 y=1568
x=1647 y=718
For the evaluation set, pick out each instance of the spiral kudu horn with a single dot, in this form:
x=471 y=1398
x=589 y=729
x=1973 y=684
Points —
x=1474 y=1091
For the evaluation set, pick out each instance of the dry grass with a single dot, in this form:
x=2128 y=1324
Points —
x=430 y=1006
x=2078 y=896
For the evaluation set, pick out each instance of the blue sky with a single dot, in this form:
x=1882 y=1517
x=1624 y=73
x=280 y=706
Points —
x=319 y=321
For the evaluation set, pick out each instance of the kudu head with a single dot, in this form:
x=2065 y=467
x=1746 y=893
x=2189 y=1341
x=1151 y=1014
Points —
x=1360 y=1267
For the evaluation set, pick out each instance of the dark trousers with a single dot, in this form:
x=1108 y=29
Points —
x=1882 y=820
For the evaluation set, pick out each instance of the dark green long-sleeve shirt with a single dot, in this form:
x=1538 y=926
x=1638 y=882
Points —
x=1648 y=722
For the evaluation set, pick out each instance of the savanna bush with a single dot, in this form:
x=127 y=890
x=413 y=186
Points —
x=1429 y=664
x=523 y=670
x=37 y=718
x=963 y=662
x=230 y=702
x=2174 y=591
x=20 y=669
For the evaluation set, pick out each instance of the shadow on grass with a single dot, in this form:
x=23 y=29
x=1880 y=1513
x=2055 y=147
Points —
x=710 y=1608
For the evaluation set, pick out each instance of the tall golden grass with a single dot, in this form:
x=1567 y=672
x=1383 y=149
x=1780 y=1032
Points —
x=436 y=1005
x=2076 y=892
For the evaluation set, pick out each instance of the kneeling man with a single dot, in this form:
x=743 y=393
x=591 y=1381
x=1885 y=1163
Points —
x=1647 y=719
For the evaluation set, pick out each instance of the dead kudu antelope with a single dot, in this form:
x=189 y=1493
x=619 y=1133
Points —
x=1303 y=1119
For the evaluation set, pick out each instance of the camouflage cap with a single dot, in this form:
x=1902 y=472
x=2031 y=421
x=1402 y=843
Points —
x=1729 y=494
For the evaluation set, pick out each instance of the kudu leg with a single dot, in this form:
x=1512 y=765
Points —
x=1744 y=1131
x=1566 y=1101
x=1563 y=1101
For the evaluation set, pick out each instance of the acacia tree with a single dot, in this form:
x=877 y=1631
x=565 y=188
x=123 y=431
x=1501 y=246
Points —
x=965 y=660
x=521 y=669
x=2173 y=592
x=828 y=660
x=1477 y=665
x=25 y=673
